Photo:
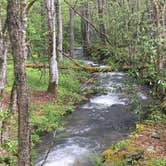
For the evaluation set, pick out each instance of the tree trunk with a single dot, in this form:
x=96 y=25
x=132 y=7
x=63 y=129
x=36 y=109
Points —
x=60 y=29
x=85 y=28
x=164 y=16
x=148 y=9
x=53 y=68
x=131 y=5
x=17 y=25
x=13 y=98
x=101 y=20
x=156 y=12
x=71 y=32
x=139 y=5
x=3 y=52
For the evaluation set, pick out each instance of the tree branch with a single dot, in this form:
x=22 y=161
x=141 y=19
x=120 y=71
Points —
x=70 y=58
x=30 y=5
x=89 y=22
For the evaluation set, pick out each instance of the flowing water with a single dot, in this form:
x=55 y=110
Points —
x=94 y=125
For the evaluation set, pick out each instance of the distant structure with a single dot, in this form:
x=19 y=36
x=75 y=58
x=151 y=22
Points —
x=78 y=52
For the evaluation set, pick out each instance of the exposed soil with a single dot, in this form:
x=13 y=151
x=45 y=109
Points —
x=153 y=139
x=36 y=97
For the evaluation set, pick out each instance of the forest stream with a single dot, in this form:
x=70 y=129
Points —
x=94 y=125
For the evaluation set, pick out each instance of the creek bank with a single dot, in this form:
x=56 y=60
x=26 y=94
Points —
x=46 y=114
x=145 y=146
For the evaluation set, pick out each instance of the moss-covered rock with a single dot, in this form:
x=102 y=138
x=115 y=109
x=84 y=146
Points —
x=134 y=154
x=128 y=154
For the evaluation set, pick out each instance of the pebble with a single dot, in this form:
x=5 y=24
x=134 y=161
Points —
x=150 y=148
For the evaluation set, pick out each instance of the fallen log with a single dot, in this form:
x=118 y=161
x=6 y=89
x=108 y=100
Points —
x=86 y=68
x=89 y=68
x=37 y=66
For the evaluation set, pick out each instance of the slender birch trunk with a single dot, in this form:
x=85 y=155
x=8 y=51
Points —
x=3 y=52
x=60 y=29
x=53 y=68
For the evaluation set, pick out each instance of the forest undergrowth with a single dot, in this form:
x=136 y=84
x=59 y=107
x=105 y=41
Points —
x=46 y=111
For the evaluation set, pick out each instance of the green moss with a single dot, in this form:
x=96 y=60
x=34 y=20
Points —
x=122 y=153
x=120 y=145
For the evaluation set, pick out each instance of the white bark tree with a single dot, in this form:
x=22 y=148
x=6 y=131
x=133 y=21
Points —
x=3 y=52
x=53 y=68
x=60 y=29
